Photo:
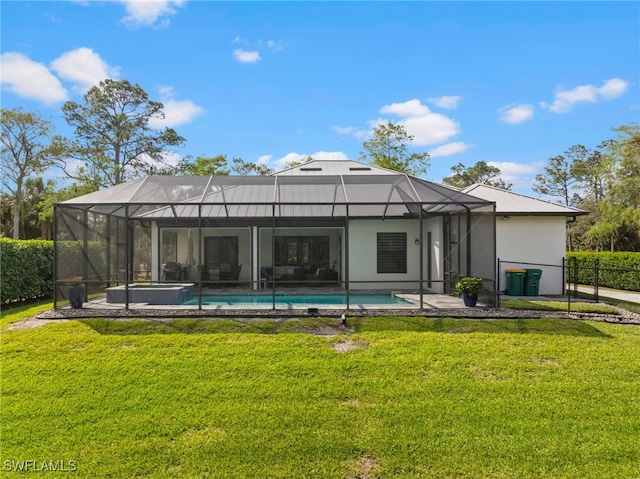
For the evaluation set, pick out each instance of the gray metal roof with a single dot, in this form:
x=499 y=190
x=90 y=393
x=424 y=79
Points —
x=335 y=167
x=317 y=188
x=511 y=203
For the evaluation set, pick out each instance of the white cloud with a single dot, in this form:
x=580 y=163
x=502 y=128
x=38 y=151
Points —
x=510 y=168
x=411 y=108
x=516 y=114
x=171 y=158
x=565 y=100
x=245 y=56
x=264 y=159
x=280 y=163
x=613 y=88
x=84 y=67
x=250 y=51
x=449 y=149
x=176 y=112
x=145 y=13
x=275 y=46
x=352 y=130
x=518 y=174
x=179 y=112
x=330 y=156
x=344 y=130
x=450 y=102
x=29 y=79
x=427 y=127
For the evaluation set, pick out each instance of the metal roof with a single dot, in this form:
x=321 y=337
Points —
x=508 y=202
x=335 y=167
x=317 y=188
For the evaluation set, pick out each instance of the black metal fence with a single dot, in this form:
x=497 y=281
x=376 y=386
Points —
x=573 y=279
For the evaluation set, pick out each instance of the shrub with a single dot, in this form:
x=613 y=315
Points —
x=471 y=285
x=26 y=270
x=618 y=270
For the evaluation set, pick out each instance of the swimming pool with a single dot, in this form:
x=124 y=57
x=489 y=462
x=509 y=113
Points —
x=298 y=300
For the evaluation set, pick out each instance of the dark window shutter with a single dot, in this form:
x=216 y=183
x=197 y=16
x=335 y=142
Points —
x=392 y=252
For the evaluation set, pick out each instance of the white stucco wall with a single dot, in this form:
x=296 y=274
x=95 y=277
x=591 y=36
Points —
x=533 y=239
x=434 y=225
x=363 y=254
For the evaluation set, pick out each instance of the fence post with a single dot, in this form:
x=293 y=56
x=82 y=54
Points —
x=575 y=277
x=596 y=279
x=566 y=280
x=498 y=296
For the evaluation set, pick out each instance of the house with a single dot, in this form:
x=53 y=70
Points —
x=530 y=233
x=324 y=223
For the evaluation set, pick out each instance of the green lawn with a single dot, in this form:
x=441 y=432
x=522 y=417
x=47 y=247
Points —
x=546 y=305
x=400 y=397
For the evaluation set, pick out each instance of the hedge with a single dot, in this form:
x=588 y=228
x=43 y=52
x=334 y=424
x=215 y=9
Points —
x=26 y=270
x=73 y=260
x=619 y=270
x=27 y=266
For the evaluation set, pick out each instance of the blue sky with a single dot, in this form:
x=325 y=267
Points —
x=509 y=83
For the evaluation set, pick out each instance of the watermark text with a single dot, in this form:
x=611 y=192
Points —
x=32 y=465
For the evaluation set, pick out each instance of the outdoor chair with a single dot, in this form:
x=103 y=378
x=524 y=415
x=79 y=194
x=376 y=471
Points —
x=172 y=271
x=229 y=274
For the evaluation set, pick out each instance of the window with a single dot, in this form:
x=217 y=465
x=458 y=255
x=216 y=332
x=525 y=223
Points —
x=169 y=246
x=221 y=250
x=392 y=252
x=302 y=250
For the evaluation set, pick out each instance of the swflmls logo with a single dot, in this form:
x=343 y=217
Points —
x=38 y=466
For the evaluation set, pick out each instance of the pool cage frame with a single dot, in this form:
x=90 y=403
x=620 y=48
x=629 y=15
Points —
x=98 y=241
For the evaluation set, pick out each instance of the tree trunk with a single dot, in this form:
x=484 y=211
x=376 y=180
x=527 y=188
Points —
x=17 y=204
x=16 y=218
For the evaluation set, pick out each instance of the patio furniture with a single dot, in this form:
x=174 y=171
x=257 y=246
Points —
x=174 y=271
x=229 y=274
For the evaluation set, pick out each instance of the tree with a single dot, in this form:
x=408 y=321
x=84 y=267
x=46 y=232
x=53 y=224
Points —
x=478 y=173
x=389 y=149
x=205 y=166
x=626 y=190
x=52 y=196
x=620 y=207
x=242 y=168
x=25 y=150
x=558 y=178
x=114 y=141
x=294 y=163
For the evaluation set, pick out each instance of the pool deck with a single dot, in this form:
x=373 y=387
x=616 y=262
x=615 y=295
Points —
x=434 y=303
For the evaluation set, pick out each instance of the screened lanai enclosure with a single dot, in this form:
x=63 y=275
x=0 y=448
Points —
x=315 y=230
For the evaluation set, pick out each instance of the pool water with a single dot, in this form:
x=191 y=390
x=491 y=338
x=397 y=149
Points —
x=297 y=300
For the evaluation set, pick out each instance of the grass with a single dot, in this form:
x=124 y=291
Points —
x=635 y=307
x=545 y=305
x=409 y=397
x=12 y=314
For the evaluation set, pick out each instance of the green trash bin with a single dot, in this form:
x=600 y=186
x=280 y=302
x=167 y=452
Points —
x=515 y=281
x=532 y=282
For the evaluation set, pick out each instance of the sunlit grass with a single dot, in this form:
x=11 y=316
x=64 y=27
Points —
x=635 y=307
x=402 y=397
x=544 y=305
x=12 y=314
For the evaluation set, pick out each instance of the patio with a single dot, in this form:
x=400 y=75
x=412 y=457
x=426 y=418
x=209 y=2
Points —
x=324 y=225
